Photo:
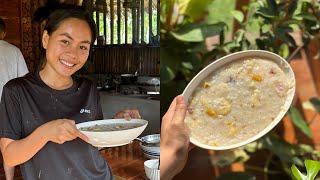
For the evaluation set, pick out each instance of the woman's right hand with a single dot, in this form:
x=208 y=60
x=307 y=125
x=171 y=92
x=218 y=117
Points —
x=61 y=130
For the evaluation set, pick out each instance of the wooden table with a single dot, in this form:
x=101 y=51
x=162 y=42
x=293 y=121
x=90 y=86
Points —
x=126 y=161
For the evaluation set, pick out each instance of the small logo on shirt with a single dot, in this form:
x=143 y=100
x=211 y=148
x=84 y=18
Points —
x=85 y=111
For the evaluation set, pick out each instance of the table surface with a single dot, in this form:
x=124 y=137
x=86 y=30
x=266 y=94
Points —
x=126 y=161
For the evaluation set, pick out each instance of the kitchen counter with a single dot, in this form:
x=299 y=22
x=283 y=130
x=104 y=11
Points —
x=149 y=109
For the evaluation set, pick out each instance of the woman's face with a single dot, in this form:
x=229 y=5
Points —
x=67 y=48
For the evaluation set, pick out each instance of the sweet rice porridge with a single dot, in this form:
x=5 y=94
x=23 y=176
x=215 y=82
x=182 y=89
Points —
x=237 y=101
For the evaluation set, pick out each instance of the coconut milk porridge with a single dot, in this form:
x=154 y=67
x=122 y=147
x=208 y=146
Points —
x=237 y=101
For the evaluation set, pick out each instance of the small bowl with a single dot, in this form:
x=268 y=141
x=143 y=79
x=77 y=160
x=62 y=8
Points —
x=113 y=138
x=283 y=64
x=151 y=169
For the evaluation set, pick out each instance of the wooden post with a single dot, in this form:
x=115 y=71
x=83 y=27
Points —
x=105 y=21
x=126 y=22
x=138 y=20
x=133 y=8
x=150 y=21
x=142 y=21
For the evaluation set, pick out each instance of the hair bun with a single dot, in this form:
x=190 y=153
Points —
x=43 y=13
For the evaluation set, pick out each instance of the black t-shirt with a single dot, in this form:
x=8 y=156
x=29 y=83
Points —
x=27 y=103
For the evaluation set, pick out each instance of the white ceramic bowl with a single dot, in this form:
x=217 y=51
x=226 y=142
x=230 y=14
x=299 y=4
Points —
x=283 y=64
x=151 y=169
x=113 y=138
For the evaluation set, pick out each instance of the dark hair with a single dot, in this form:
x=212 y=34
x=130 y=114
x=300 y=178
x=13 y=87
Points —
x=55 y=14
x=2 y=25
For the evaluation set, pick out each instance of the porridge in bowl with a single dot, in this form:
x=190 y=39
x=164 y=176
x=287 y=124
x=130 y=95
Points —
x=237 y=101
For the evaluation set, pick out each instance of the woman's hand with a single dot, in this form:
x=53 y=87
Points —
x=174 y=145
x=128 y=114
x=62 y=130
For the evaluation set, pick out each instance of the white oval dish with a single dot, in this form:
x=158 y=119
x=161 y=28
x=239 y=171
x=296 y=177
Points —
x=113 y=138
x=195 y=82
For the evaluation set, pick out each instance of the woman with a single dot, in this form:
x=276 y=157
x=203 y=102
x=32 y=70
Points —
x=39 y=111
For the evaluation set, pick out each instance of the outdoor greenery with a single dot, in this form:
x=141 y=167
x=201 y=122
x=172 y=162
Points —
x=129 y=25
x=262 y=24
x=313 y=167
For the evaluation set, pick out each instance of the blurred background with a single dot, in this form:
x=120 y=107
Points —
x=195 y=33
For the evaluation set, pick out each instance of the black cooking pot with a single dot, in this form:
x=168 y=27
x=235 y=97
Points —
x=128 y=78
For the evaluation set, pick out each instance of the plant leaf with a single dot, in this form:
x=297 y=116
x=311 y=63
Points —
x=304 y=149
x=316 y=103
x=285 y=151
x=265 y=12
x=283 y=33
x=238 y=15
x=196 y=9
x=299 y=122
x=166 y=74
x=221 y=38
x=297 y=174
x=239 y=35
x=292 y=7
x=273 y=5
x=187 y=65
x=308 y=105
x=198 y=33
x=169 y=64
x=284 y=50
x=307 y=16
x=313 y=167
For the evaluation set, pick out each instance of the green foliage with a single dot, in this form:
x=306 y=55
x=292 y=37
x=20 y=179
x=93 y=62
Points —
x=197 y=32
x=299 y=122
x=101 y=28
x=262 y=24
x=316 y=103
x=313 y=167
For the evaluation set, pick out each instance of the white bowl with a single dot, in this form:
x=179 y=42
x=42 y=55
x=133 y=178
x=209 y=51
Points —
x=151 y=169
x=283 y=64
x=113 y=138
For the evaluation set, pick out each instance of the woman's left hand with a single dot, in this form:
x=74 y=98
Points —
x=128 y=114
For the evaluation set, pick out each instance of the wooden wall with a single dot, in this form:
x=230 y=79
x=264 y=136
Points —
x=17 y=15
x=10 y=13
x=26 y=36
